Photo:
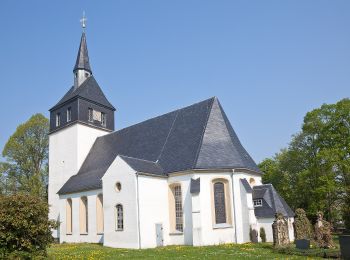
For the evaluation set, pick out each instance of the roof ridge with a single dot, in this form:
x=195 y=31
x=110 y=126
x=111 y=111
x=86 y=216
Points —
x=166 y=139
x=121 y=155
x=272 y=198
x=224 y=116
x=263 y=185
x=203 y=132
x=233 y=137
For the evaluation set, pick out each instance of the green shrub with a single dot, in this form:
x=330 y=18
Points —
x=262 y=235
x=251 y=234
x=25 y=230
x=346 y=212
x=312 y=252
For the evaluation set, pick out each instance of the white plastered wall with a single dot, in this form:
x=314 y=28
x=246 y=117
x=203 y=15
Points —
x=176 y=238
x=153 y=208
x=266 y=223
x=120 y=171
x=68 y=149
x=207 y=233
x=243 y=205
x=76 y=237
x=199 y=226
x=248 y=216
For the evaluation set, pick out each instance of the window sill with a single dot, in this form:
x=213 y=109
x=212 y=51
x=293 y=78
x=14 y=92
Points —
x=68 y=234
x=119 y=230
x=221 y=226
x=176 y=233
x=84 y=234
x=100 y=233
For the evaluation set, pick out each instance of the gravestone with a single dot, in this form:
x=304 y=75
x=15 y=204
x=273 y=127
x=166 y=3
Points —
x=280 y=230
x=302 y=225
x=323 y=236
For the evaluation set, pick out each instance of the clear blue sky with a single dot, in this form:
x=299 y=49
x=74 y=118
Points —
x=268 y=62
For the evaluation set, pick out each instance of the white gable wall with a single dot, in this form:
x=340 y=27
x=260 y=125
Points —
x=266 y=223
x=68 y=149
x=120 y=171
x=76 y=236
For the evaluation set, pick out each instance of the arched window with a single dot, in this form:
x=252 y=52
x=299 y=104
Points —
x=84 y=216
x=99 y=214
x=178 y=208
x=69 y=220
x=221 y=202
x=220 y=205
x=119 y=222
x=252 y=182
x=175 y=208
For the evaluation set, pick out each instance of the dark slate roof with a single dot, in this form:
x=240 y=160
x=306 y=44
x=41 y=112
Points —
x=195 y=137
x=89 y=90
x=246 y=186
x=272 y=202
x=82 y=61
x=220 y=147
x=143 y=165
x=195 y=186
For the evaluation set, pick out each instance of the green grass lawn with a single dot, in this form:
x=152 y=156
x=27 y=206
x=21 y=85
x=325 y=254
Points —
x=227 y=251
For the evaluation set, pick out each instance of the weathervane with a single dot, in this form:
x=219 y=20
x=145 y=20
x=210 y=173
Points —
x=83 y=21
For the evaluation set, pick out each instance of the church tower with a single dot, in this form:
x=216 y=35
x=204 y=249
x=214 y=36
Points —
x=82 y=115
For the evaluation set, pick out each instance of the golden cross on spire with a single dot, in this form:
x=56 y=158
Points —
x=83 y=21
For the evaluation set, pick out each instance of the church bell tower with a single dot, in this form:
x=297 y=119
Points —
x=80 y=116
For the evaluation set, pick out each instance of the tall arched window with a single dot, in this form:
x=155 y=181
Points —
x=84 y=216
x=175 y=208
x=252 y=182
x=178 y=208
x=220 y=205
x=69 y=220
x=99 y=214
x=119 y=222
x=221 y=201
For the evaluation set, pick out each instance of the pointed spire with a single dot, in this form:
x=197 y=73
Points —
x=82 y=62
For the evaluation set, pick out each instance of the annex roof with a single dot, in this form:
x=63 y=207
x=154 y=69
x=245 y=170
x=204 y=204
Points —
x=272 y=202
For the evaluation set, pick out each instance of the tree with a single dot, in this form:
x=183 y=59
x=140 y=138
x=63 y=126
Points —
x=314 y=171
x=26 y=154
x=25 y=230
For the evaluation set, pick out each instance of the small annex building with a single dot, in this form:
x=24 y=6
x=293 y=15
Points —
x=182 y=178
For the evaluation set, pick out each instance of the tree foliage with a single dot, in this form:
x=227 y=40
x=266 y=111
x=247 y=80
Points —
x=24 y=226
x=313 y=172
x=26 y=154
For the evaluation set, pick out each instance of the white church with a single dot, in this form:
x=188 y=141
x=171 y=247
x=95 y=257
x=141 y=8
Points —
x=182 y=178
